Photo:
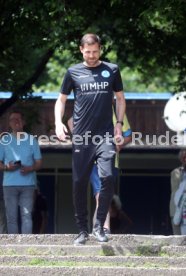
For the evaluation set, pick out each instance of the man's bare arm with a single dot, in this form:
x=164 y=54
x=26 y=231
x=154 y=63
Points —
x=120 y=112
x=120 y=106
x=59 y=111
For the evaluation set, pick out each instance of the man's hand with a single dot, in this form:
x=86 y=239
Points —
x=61 y=131
x=26 y=169
x=11 y=166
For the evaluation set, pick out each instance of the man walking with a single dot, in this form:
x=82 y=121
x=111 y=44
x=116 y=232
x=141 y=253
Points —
x=93 y=82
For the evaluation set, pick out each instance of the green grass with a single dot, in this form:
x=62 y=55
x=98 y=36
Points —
x=39 y=262
x=10 y=252
x=107 y=251
x=145 y=251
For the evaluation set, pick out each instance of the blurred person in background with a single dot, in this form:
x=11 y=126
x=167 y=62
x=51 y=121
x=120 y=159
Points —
x=20 y=158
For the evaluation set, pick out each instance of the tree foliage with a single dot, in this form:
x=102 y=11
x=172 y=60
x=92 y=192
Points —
x=30 y=32
x=149 y=36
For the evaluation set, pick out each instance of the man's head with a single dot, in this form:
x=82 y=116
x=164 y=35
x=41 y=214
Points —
x=16 y=121
x=90 y=39
x=90 y=48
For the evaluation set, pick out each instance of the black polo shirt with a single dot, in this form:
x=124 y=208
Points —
x=93 y=91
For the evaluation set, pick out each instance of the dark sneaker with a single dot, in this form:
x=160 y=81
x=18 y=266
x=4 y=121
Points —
x=81 y=238
x=99 y=234
x=106 y=230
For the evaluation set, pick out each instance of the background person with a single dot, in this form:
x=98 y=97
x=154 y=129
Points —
x=180 y=202
x=20 y=158
x=93 y=82
x=175 y=178
x=94 y=177
x=120 y=222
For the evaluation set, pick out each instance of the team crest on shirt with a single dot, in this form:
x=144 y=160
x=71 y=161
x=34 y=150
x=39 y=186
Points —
x=105 y=74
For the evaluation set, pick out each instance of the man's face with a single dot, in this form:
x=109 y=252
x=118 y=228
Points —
x=91 y=54
x=16 y=122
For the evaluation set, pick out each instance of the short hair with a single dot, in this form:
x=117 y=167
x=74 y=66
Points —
x=90 y=39
x=17 y=111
